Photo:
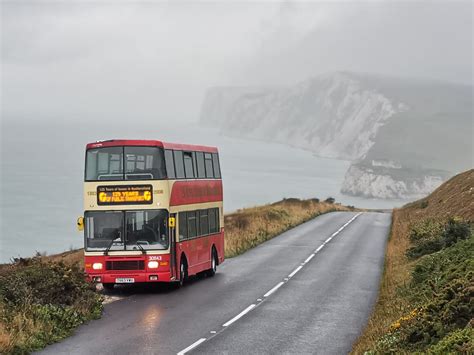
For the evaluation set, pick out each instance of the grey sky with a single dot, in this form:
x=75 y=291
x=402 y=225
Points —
x=73 y=61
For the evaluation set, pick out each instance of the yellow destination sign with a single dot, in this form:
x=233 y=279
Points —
x=124 y=194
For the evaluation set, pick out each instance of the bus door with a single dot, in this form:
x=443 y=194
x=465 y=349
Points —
x=172 y=234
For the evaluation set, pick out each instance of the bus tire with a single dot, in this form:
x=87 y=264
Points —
x=183 y=271
x=212 y=271
x=108 y=286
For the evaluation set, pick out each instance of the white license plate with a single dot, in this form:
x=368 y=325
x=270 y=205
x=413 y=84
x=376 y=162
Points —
x=123 y=280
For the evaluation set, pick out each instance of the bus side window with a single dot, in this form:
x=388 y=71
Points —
x=213 y=220
x=188 y=165
x=208 y=163
x=192 y=224
x=179 y=164
x=217 y=168
x=183 y=226
x=169 y=164
x=218 y=220
x=198 y=225
x=195 y=165
x=200 y=165
x=204 y=222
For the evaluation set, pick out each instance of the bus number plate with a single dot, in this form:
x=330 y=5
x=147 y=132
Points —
x=124 y=280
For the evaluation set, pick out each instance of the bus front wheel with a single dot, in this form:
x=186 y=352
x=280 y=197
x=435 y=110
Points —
x=183 y=271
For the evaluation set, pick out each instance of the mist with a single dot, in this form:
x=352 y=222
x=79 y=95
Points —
x=153 y=61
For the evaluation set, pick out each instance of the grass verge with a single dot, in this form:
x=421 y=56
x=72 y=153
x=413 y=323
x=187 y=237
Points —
x=250 y=227
x=425 y=303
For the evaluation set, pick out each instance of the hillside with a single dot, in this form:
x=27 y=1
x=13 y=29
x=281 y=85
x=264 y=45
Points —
x=404 y=136
x=425 y=300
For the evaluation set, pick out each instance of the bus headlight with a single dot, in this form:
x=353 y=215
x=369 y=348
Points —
x=152 y=264
x=97 y=266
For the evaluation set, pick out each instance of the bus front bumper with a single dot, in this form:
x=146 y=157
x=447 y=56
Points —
x=130 y=278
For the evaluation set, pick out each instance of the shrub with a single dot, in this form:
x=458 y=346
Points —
x=425 y=247
x=455 y=230
x=42 y=302
x=459 y=341
x=330 y=200
x=424 y=230
x=431 y=236
x=441 y=290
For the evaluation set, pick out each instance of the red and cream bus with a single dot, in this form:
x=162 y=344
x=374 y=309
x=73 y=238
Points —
x=152 y=211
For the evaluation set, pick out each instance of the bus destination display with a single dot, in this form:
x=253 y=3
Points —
x=124 y=195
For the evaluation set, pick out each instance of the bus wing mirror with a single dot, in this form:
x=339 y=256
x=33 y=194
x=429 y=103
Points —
x=80 y=224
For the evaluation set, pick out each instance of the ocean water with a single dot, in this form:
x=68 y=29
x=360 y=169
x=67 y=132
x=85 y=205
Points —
x=42 y=175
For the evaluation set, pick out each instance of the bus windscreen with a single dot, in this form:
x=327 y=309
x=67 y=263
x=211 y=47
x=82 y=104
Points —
x=126 y=230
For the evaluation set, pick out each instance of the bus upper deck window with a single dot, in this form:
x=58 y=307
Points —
x=144 y=163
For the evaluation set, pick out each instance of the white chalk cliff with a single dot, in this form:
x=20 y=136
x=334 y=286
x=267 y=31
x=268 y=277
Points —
x=347 y=116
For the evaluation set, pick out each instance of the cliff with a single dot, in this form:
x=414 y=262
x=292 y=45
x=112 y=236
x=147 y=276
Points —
x=390 y=128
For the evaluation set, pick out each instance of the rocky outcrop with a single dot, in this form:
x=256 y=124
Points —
x=386 y=183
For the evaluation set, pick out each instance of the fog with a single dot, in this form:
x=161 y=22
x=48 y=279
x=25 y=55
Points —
x=109 y=61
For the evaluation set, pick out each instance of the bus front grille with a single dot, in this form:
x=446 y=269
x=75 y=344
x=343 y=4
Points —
x=125 y=265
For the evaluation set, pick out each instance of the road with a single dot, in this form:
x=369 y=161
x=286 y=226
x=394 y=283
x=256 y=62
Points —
x=309 y=290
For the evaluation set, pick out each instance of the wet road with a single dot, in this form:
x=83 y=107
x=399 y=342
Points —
x=309 y=290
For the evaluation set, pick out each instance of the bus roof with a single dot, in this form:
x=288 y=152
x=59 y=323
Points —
x=150 y=143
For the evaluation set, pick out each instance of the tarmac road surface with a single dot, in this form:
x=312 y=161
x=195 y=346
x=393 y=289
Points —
x=309 y=290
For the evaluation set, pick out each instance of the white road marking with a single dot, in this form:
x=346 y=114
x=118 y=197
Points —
x=240 y=315
x=309 y=258
x=252 y=306
x=274 y=289
x=192 y=346
x=295 y=271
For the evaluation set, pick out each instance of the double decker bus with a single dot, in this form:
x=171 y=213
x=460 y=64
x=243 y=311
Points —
x=153 y=212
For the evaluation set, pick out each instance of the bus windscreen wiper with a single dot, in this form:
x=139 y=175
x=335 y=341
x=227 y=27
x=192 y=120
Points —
x=111 y=243
x=141 y=248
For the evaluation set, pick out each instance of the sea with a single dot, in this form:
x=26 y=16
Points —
x=42 y=170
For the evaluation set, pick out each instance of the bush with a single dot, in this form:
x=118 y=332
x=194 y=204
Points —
x=441 y=291
x=330 y=200
x=431 y=236
x=455 y=230
x=42 y=302
x=459 y=341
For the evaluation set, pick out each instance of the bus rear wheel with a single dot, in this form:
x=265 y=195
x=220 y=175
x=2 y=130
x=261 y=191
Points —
x=212 y=271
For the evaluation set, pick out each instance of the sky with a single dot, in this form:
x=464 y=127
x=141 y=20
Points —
x=84 y=61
